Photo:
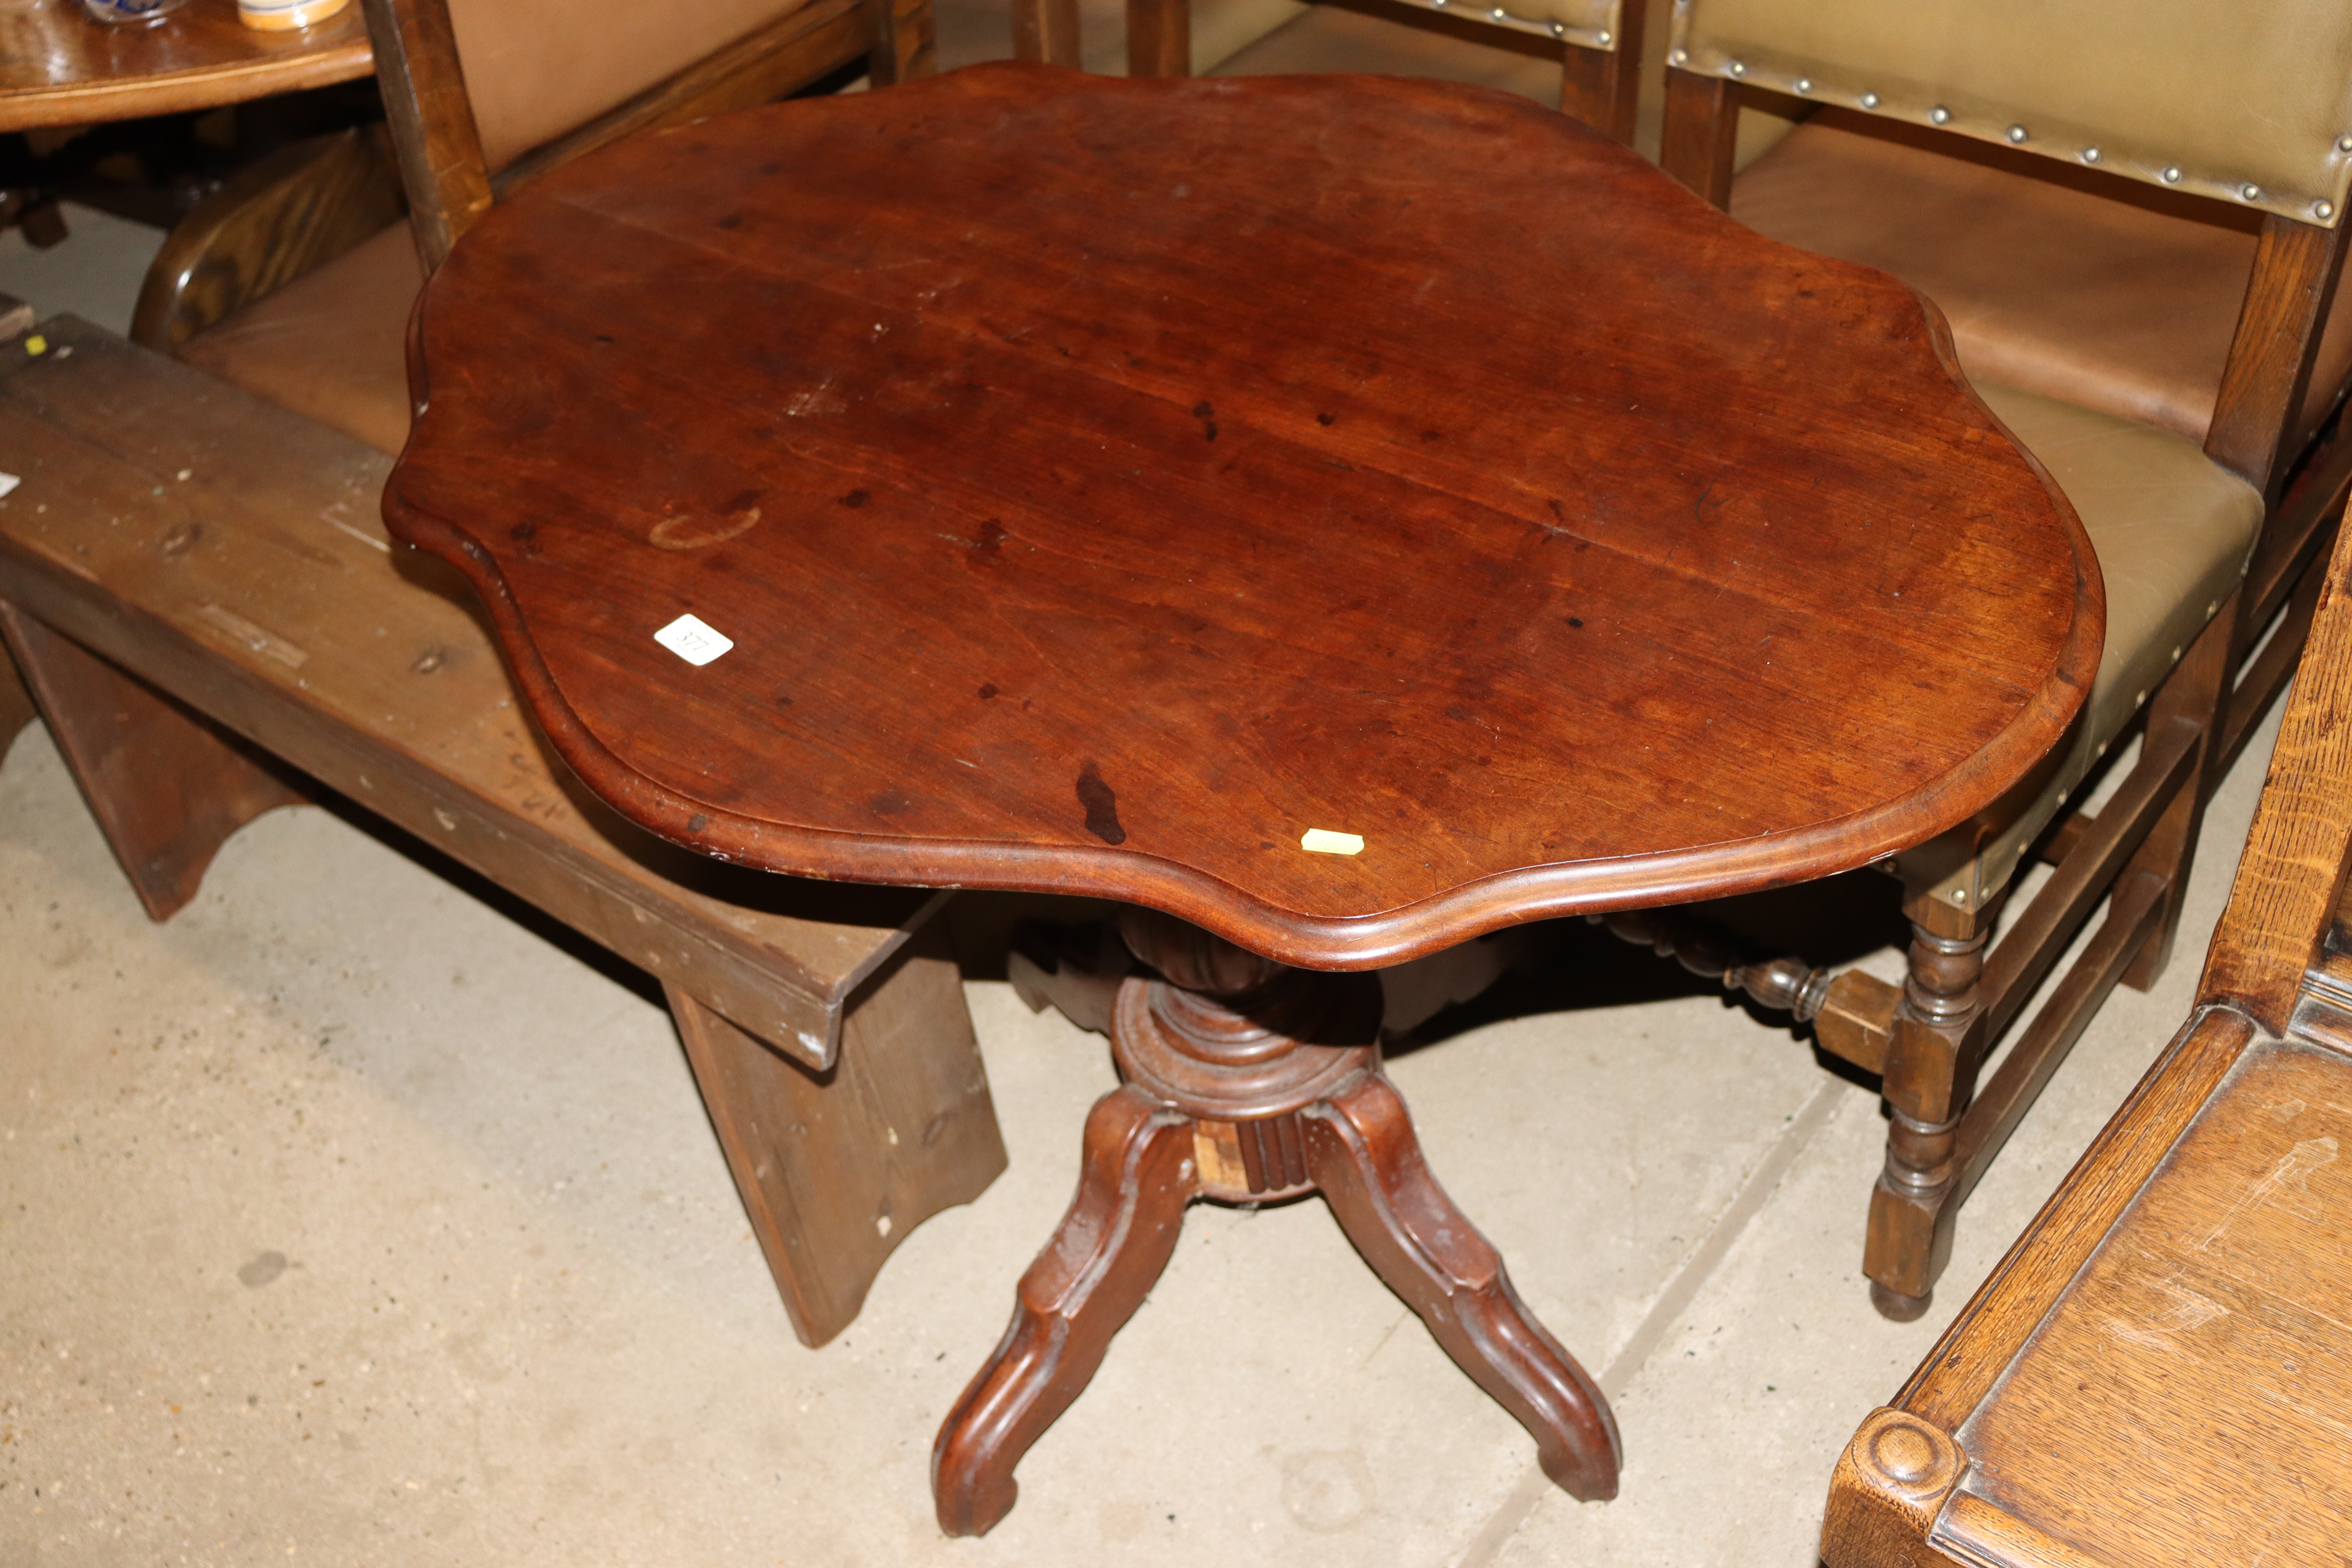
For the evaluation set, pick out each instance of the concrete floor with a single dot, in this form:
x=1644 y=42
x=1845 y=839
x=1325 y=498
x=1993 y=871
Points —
x=346 y=1219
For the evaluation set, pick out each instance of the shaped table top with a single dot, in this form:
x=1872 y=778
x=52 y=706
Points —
x=1105 y=486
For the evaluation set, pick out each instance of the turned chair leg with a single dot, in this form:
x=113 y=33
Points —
x=1136 y=1176
x=1931 y=1067
x=2198 y=690
x=1047 y=30
x=904 y=42
x=1927 y=1045
x=167 y=788
x=1362 y=1153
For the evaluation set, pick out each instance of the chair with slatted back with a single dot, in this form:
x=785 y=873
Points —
x=483 y=96
x=2128 y=214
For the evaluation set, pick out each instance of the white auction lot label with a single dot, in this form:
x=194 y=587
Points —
x=692 y=640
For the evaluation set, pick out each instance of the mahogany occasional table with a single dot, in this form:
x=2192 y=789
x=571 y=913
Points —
x=1338 y=516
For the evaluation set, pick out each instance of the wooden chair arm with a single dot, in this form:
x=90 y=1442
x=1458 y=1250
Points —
x=288 y=215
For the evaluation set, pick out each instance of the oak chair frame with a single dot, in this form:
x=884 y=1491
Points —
x=1929 y=1039
x=2279 y=971
x=1598 y=85
x=311 y=202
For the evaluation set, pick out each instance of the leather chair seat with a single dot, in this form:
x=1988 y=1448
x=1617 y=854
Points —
x=2062 y=281
x=2173 y=530
x=332 y=345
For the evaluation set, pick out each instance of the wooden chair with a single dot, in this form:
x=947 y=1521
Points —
x=2157 y=1371
x=2130 y=216
x=1595 y=44
x=304 y=288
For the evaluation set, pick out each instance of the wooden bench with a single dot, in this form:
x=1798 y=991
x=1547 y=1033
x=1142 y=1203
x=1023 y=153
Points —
x=2160 y=1371
x=203 y=605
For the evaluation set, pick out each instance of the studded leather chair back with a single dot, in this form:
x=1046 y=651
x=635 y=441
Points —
x=2251 y=102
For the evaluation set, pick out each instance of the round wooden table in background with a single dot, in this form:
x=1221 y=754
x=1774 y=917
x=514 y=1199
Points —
x=1348 y=515
x=58 y=67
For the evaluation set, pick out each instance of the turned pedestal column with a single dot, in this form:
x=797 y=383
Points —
x=1249 y=1081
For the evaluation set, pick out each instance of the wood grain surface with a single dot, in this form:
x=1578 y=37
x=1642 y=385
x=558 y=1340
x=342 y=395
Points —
x=260 y=591
x=1105 y=482
x=58 y=67
x=2300 y=846
x=2199 y=1368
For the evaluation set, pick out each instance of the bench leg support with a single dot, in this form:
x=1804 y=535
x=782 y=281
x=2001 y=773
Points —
x=837 y=1168
x=167 y=788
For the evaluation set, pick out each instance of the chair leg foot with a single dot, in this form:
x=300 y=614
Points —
x=1137 y=1177
x=1897 y=1307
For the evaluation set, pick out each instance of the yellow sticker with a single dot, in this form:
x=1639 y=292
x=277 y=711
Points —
x=1323 y=841
x=36 y=345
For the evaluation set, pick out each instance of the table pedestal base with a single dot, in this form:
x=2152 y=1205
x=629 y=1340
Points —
x=1247 y=1082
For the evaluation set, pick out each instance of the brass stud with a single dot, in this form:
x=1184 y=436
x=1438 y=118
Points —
x=2250 y=192
x=1804 y=84
x=1940 y=115
x=1497 y=13
x=2172 y=173
x=2090 y=154
x=2016 y=133
x=1735 y=69
x=2323 y=211
x=1870 y=100
x=1680 y=57
x=2344 y=143
x=1603 y=39
x=1559 y=29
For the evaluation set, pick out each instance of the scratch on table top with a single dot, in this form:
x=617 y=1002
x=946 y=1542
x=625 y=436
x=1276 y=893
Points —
x=2285 y=1185
x=819 y=399
x=2273 y=1396
x=2187 y=1310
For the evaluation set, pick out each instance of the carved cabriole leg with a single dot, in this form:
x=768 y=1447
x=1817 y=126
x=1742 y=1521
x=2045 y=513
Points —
x=1247 y=1081
x=1931 y=1062
x=1137 y=1177
x=1361 y=1151
x=166 y=787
